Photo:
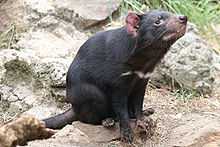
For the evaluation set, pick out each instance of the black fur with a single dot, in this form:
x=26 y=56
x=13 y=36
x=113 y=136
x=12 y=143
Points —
x=96 y=86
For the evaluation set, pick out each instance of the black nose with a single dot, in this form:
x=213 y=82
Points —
x=183 y=19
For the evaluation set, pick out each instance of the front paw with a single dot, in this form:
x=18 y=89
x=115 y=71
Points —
x=140 y=125
x=127 y=135
x=145 y=126
x=148 y=111
x=108 y=123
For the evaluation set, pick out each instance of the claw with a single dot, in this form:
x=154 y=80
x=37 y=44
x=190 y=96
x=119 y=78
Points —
x=108 y=122
x=148 y=111
x=127 y=135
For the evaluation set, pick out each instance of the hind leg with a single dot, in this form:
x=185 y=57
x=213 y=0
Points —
x=89 y=103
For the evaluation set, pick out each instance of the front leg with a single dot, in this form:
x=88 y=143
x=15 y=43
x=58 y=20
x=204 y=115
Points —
x=120 y=107
x=136 y=99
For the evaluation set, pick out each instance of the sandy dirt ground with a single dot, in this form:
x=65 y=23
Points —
x=193 y=122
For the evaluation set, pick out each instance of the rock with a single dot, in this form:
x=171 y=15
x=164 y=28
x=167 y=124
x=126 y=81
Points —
x=82 y=13
x=48 y=34
x=216 y=74
x=11 y=12
x=86 y=13
x=51 y=37
x=16 y=66
x=61 y=42
x=16 y=78
x=18 y=99
x=216 y=28
x=25 y=67
x=88 y=133
x=26 y=81
x=52 y=71
x=35 y=10
x=213 y=143
x=30 y=12
x=44 y=111
x=196 y=130
x=80 y=134
x=15 y=100
x=39 y=6
x=189 y=63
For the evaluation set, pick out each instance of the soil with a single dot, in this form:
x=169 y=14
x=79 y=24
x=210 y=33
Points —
x=194 y=122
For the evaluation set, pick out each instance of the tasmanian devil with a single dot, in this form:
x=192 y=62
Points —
x=109 y=74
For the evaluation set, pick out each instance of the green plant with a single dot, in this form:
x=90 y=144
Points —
x=8 y=37
x=134 y=5
x=203 y=13
x=185 y=94
x=200 y=12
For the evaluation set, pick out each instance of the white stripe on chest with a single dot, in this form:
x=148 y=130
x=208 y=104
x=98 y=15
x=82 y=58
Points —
x=140 y=74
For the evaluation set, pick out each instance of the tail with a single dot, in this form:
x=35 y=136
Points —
x=60 y=120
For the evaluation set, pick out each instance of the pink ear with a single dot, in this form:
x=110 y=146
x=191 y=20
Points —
x=132 y=21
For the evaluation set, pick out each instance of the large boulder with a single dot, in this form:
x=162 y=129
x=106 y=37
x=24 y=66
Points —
x=29 y=69
x=187 y=130
x=51 y=25
x=26 y=82
x=50 y=73
x=16 y=76
x=191 y=63
x=15 y=66
x=15 y=100
x=81 y=13
x=85 y=13
x=11 y=12
x=60 y=40
x=81 y=134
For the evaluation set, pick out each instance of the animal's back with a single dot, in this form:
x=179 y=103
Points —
x=100 y=58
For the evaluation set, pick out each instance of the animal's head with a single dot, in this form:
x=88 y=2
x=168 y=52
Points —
x=156 y=27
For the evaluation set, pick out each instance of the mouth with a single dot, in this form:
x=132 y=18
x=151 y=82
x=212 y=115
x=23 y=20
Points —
x=175 y=34
x=176 y=28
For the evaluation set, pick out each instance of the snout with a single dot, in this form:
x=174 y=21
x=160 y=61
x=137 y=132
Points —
x=183 y=19
x=176 y=27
